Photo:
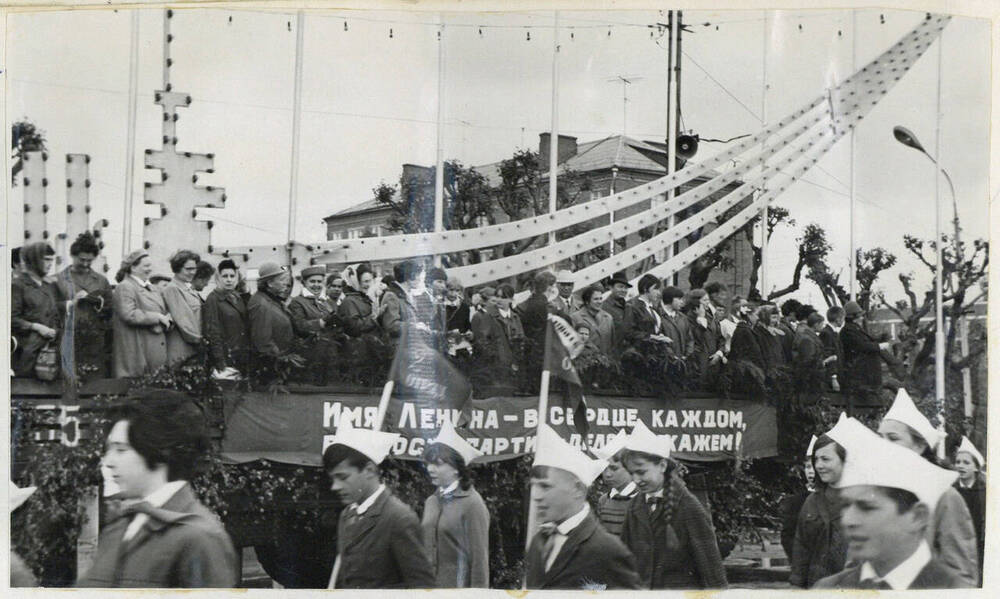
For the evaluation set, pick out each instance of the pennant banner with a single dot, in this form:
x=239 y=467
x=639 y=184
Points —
x=291 y=427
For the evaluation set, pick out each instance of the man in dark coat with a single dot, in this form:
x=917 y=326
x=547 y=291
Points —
x=534 y=311
x=862 y=354
x=310 y=310
x=571 y=550
x=614 y=305
x=830 y=336
x=788 y=325
x=887 y=495
x=165 y=536
x=379 y=539
x=271 y=331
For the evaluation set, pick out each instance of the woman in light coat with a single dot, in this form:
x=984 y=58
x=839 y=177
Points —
x=456 y=522
x=184 y=305
x=140 y=319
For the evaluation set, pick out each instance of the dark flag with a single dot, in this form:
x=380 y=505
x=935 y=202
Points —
x=562 y=344
x=425 y=374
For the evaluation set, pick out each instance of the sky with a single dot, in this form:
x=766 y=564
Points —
x=370 y=102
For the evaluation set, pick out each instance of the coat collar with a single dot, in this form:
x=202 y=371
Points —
x=177 y=508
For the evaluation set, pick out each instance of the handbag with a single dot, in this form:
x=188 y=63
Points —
x=47 y=363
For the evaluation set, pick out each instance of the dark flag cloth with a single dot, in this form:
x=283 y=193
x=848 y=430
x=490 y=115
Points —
x=562 y=344
x=423 y=373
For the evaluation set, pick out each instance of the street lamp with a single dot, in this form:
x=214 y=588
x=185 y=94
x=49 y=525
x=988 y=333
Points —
x=907 y=138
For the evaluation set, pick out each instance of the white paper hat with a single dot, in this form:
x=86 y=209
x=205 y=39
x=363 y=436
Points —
x=905 y=411
x=644 y=440
x=967 y=447
x=848 y=429
x=553 y=451
x=812 y=443
x=612 y=447
x=19 y=495
x=871 y=460
x=375 y=445
x=450 y=437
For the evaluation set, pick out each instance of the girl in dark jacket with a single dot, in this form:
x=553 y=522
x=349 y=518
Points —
x=820 y=549
x=224 y=320
x=356 y=312
x=34 y=314
x=668 y=530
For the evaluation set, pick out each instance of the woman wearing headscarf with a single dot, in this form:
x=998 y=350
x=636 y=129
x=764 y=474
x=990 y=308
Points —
x=184 y=305
x=85 y=298
x=34 y=314
x=140 y=320
x=356 y=312
x=271 y=331
x=971 y=485
x=820 y=549
x=225 y=322
x=456 y=522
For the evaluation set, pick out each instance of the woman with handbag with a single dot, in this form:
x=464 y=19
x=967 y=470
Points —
x=35 y=313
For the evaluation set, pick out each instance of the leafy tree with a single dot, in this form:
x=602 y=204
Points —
x=24 y=137
x=471 y=201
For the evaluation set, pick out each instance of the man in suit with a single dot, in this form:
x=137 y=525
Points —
x=379 y=540
x=165 y=538
x=571 y=550
x=674 y=324
x=566 y=302
x=887 y=494
x=830 y=336
x=862 y=354
x=534 y=311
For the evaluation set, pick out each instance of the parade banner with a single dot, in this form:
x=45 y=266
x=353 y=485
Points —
x=296 y=427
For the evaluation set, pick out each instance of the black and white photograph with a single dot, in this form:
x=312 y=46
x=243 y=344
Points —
x=523 y=297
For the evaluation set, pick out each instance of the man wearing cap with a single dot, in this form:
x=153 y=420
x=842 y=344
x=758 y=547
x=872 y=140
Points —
x=950 y=533
x=565 y=302
x=886 y=505
x=379 y=541
x=271 y=331
x=310 y=310
x=666 y=527
x=571 y=550
x=615 y=304
x=862 y=354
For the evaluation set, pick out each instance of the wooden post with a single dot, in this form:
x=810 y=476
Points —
x=86 y=543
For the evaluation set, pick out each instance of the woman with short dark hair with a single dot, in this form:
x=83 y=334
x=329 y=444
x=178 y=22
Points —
x=34 y=315
x=225 y=322
x=456 y=522
x=819 y=548
x=85 y=298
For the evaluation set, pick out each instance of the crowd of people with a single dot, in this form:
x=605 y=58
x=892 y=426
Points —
x=698 y=340
x=880 y=512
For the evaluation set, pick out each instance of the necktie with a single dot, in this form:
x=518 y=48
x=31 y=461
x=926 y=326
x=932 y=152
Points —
x=548 y=532
x=871 y=583
x=652 y=501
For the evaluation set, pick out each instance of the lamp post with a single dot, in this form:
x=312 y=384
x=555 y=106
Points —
x=907 y=138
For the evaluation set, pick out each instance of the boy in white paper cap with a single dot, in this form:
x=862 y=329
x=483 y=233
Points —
x=612 y=504
x=971 y=485
x=951 y=533
x=379 y=541
x=666 y=527
x=456 y=523
x=887 y=497
x=571 y=550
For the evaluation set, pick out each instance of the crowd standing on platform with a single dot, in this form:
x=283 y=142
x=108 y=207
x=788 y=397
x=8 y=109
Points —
x=879 y=511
